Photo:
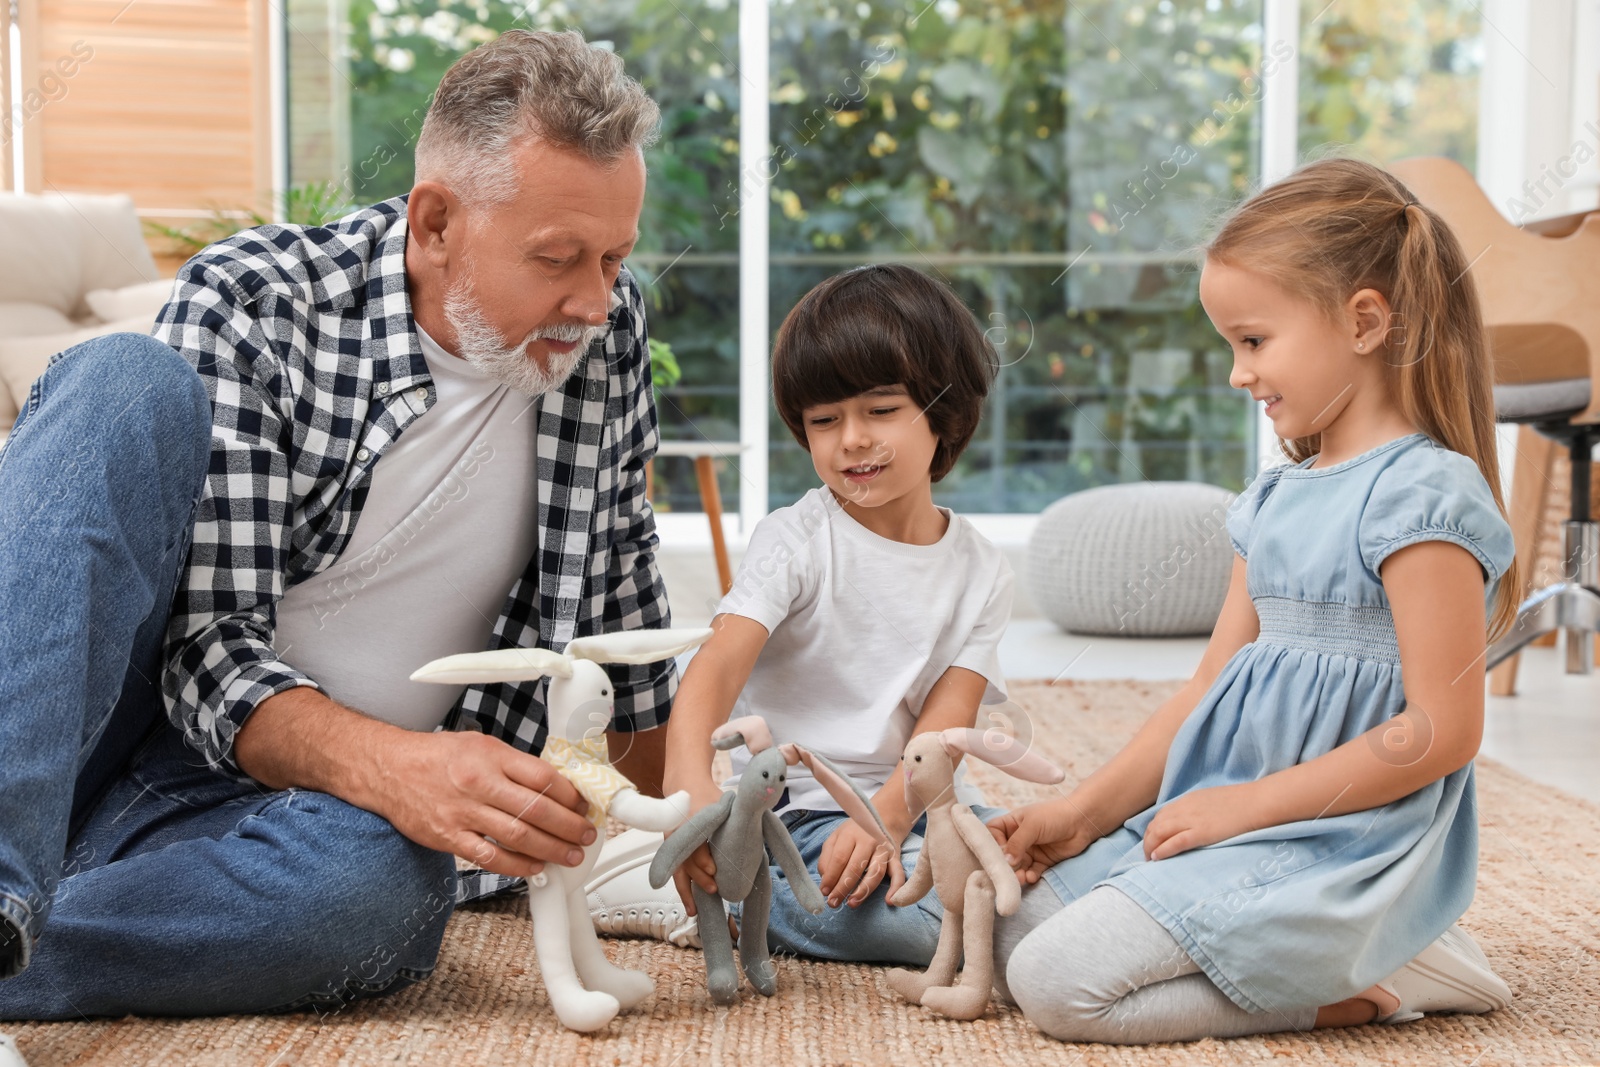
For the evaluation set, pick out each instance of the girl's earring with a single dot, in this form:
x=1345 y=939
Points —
x=1361 y=346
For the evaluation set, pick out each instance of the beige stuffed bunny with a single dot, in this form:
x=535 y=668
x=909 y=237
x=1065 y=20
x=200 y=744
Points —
x=964 y=864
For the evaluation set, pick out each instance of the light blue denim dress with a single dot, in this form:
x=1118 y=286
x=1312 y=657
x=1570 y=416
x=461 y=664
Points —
x=1312 y=912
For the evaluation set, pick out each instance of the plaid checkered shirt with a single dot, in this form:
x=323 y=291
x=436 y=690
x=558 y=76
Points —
x=305 y=340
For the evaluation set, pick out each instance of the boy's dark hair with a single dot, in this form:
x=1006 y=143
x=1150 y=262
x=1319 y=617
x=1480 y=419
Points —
x=886 y=324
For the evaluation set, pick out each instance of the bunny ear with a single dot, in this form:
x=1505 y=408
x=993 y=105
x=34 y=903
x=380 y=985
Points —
x=855 y=803
x=1005 y=752
x=501 y=665
x=635 y=646
x=748 y=730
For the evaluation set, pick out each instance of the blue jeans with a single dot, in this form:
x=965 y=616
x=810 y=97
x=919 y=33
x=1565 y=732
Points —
x=133 y=878
x=871 y=933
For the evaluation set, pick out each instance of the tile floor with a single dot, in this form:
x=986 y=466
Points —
x=1549 y=731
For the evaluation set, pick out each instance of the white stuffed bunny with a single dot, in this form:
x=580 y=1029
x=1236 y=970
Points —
x=585 y=989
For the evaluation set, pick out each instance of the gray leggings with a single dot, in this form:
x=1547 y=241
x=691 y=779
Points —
x=1103 y=970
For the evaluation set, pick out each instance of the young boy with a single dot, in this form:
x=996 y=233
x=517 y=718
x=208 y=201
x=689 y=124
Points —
x=861 y=615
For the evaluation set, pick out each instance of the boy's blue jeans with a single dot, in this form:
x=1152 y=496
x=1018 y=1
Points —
x=151 y=883
x=871 y=933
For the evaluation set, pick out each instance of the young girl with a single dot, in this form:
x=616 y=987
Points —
x=1298 y=822
x=861 y=615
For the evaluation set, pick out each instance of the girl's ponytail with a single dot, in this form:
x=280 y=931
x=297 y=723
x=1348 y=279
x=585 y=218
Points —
x=1337 y=226
x=1450 y=398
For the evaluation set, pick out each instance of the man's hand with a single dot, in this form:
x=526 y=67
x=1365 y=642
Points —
x=479 y=798
x=446 y=791
x=699 y=869
x=1196 y=819
x=848 y=866
x=1039 y=836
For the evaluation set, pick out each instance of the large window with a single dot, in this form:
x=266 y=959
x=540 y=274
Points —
x=1385 y=82
x=1162 y=132
x=933 y=135
x=1057 y=162
x=687 y=261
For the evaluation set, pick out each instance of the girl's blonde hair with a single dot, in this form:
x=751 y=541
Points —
x=1337 y=226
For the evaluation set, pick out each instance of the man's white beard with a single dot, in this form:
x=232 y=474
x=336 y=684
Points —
x=481 y=345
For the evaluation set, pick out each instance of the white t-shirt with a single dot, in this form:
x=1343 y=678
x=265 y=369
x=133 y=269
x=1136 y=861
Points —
x=861 y=627
x=450 y=522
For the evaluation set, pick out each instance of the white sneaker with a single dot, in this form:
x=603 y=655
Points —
x=1452 y=974
x=625 y=850
x=623 y=903
x=9 y=1055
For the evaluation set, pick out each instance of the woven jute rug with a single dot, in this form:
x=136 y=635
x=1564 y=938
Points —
x=1535 y=915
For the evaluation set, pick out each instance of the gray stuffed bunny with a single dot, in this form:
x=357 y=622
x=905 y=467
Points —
x=742 y=829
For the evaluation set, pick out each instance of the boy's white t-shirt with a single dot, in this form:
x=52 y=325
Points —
x=860 y=628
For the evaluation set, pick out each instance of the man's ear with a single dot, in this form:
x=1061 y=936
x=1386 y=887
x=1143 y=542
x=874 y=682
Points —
x=1370 y=319
x=431 y=209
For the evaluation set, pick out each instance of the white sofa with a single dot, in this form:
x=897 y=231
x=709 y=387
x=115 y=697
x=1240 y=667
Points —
x=72 y=266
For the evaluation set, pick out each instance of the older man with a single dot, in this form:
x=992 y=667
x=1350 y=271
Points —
x=418 y=431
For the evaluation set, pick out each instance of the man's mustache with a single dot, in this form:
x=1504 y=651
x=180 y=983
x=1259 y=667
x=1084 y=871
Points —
x=568 y=332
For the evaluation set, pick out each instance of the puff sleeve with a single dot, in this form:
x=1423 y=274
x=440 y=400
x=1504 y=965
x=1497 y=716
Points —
x=1435 y=495
x=1242 y=512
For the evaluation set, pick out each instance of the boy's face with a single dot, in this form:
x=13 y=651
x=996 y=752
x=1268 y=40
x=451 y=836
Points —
x=871 y=448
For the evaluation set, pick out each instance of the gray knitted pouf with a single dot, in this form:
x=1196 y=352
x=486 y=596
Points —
x=1139 y=560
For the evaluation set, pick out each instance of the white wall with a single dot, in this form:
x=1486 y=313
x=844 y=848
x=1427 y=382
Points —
x=1539 y=119
x=1539 y=107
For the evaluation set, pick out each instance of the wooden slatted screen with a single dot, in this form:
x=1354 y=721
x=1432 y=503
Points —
x=7 y=124
x=168 y=101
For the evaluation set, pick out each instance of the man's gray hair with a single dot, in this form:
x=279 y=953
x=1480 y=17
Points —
x=526 y=84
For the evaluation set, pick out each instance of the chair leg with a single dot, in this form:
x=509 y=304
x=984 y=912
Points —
x=1531 y=484
x=705 y=471
x=1565 y=605
x=1582 y=540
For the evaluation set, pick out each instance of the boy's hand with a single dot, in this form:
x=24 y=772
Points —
x=699 y=869
x=1196 y=819
x=850 y=866
x=1039 y=836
